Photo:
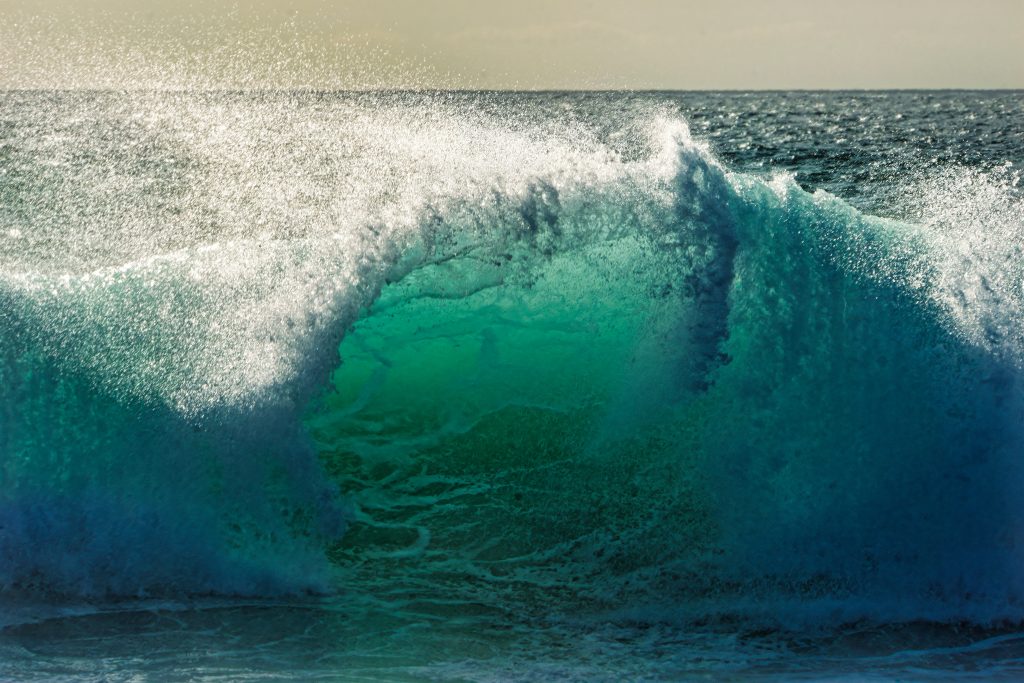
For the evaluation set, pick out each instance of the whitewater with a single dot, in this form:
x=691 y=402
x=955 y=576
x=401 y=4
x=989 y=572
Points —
x=482 y=386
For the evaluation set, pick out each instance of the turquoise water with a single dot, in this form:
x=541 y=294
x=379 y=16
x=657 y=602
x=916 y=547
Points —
x=510 y=387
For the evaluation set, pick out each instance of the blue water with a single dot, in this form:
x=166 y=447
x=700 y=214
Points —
x=484 y=386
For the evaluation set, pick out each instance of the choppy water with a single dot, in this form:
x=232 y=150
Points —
x=443 y=386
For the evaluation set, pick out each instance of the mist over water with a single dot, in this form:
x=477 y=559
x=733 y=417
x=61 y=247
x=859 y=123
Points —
x=735 y=375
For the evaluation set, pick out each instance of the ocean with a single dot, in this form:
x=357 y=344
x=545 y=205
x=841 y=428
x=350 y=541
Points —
x=496 y=386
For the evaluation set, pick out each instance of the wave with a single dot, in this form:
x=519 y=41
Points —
x=522 y=362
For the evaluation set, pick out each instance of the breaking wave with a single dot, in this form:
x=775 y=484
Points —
x=280 y=349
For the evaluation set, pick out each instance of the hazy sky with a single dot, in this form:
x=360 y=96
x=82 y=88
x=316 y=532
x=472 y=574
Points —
x=713 y=44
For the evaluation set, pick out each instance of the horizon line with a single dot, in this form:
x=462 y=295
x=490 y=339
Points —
x=310 y=89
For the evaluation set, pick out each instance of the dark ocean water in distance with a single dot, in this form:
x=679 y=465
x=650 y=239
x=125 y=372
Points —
x=511 y=386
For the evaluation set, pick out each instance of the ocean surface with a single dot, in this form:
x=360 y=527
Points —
x=433 y=386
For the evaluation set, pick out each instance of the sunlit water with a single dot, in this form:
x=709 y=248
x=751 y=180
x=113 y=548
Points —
x=440 y=386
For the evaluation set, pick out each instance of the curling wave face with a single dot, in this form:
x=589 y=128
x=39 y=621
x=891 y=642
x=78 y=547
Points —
x=411 y=345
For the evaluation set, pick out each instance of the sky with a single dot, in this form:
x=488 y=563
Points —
x=518 y=44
